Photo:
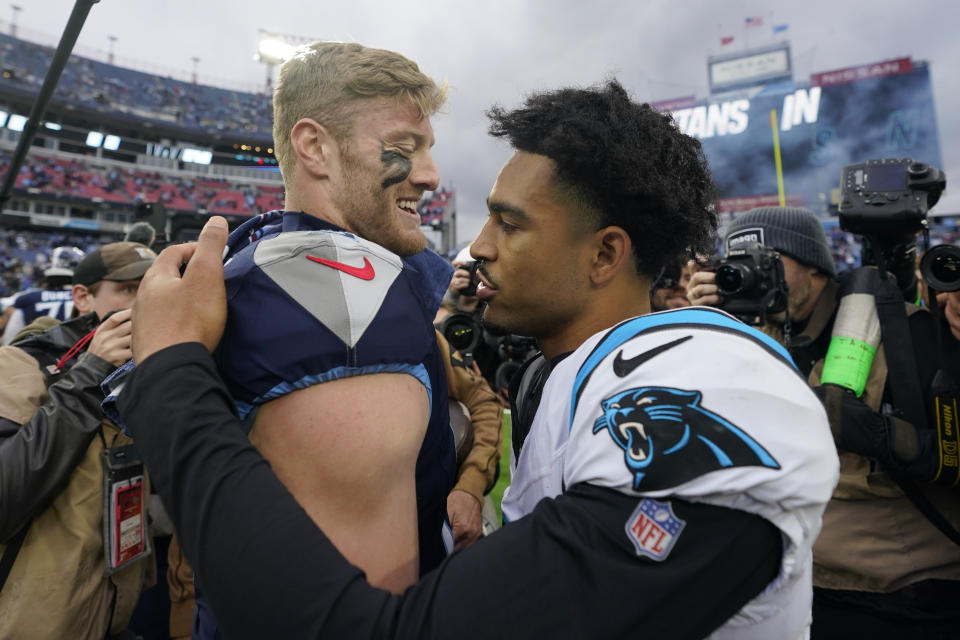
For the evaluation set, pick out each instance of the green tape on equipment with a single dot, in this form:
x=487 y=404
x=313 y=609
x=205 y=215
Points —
x=848 y=363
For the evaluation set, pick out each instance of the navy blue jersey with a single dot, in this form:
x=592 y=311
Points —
x=309 y=302
x=34 y=304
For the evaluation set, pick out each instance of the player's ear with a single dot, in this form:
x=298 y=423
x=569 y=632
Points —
x=612 y=252
x=314 y=147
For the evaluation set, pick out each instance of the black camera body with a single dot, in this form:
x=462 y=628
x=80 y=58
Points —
x=169 y=228
x=751 y=282
x=155 y=214
x=513 y=351
x=471 y=288
x=887 y=200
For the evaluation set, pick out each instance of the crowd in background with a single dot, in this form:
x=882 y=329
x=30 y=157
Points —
x=116 y=268
x=108 y=88
x=74 y=180
x=23 y=254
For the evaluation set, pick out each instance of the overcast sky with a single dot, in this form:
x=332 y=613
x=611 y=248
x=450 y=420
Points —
x=496 y=51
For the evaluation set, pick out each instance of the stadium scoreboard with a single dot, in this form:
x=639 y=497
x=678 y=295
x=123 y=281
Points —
x=745 y=69
x=840 y=117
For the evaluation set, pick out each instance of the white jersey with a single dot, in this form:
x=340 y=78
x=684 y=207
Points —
x=694 y=405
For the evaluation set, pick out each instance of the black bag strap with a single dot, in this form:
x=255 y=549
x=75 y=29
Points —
x=11 y=552
x=902 y=377
x=903 y=381
x=525 y=398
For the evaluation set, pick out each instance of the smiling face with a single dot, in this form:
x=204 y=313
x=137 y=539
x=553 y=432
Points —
x=385 y=168
x=536 y=256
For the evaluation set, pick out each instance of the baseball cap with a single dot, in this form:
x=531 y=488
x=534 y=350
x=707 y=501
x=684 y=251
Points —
x=115 y=261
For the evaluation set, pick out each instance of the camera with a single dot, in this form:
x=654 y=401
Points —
x=669 y=276
x=886 y=202
x=888 y=199
x=463 y=331
x=513 y=351
x=751 y=281
x=940 y=267
x=155 y=214
x=471 y=288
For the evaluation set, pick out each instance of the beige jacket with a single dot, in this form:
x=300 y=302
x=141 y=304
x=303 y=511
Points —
x=873 y=538
x=57 y=587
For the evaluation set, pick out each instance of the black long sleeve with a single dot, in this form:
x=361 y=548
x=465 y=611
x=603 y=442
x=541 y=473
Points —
x=565 y=571
x=38 y=457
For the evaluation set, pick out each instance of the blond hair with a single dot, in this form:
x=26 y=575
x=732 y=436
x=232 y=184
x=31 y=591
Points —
x=323 y=79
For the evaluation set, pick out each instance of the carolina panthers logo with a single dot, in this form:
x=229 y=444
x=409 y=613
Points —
x=668 y=438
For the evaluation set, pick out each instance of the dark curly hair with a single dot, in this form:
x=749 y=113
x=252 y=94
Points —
x=622 y=164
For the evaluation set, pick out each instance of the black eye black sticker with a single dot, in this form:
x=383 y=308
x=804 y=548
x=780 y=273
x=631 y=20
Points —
x=396 y=168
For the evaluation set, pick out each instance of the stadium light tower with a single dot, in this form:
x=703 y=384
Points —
x=13 y=22
x=195 y=61
x=112 y=40
x=274 y=49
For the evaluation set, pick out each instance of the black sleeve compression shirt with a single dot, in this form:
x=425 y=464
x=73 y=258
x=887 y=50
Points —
x=567 y=570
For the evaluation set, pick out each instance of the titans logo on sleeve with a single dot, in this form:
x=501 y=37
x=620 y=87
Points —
x=668 y=438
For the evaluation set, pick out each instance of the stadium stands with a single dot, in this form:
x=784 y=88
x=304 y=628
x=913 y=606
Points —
x=109 y=89
x=85 y=181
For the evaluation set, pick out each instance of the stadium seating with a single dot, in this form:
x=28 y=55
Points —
x=81 y=181
x=107 y=88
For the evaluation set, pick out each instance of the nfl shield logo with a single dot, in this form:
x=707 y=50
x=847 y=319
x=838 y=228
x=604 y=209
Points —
x=653 y=529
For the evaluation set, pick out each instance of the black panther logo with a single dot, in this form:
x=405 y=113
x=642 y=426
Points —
x=668 y=438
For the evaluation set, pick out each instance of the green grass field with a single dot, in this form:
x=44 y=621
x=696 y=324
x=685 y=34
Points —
x=503 y=481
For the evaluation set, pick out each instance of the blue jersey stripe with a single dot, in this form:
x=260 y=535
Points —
x=417 y=371
x=706 y=318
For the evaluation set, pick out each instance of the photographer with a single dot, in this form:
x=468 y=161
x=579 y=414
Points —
x=808 y=272
x=461 y=295
x=669 y=290
x=59 y=578
x=881 y=567
x=497 y=358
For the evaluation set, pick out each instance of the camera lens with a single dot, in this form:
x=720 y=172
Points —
x=732 y=278
x=946 y=268
x=459 y=335
x=941 y=267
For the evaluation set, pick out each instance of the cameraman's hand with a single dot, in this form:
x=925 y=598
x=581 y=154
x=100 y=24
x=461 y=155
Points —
x=701 y=290
x=466 y=521
x=950 y=302
x=460 y=279
x=111 y=342
x=893 y=442
x=459 y=282
x=173 y=309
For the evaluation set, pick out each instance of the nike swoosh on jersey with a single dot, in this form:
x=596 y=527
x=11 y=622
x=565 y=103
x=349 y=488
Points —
x=364 y=273
x=623 y=368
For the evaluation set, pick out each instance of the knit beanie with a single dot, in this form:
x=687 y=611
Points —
x=791 y=230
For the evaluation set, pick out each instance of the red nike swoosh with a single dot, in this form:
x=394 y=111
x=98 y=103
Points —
x=364 y=273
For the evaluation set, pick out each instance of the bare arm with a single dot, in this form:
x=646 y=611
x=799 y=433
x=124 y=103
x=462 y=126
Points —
x=347 y=450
